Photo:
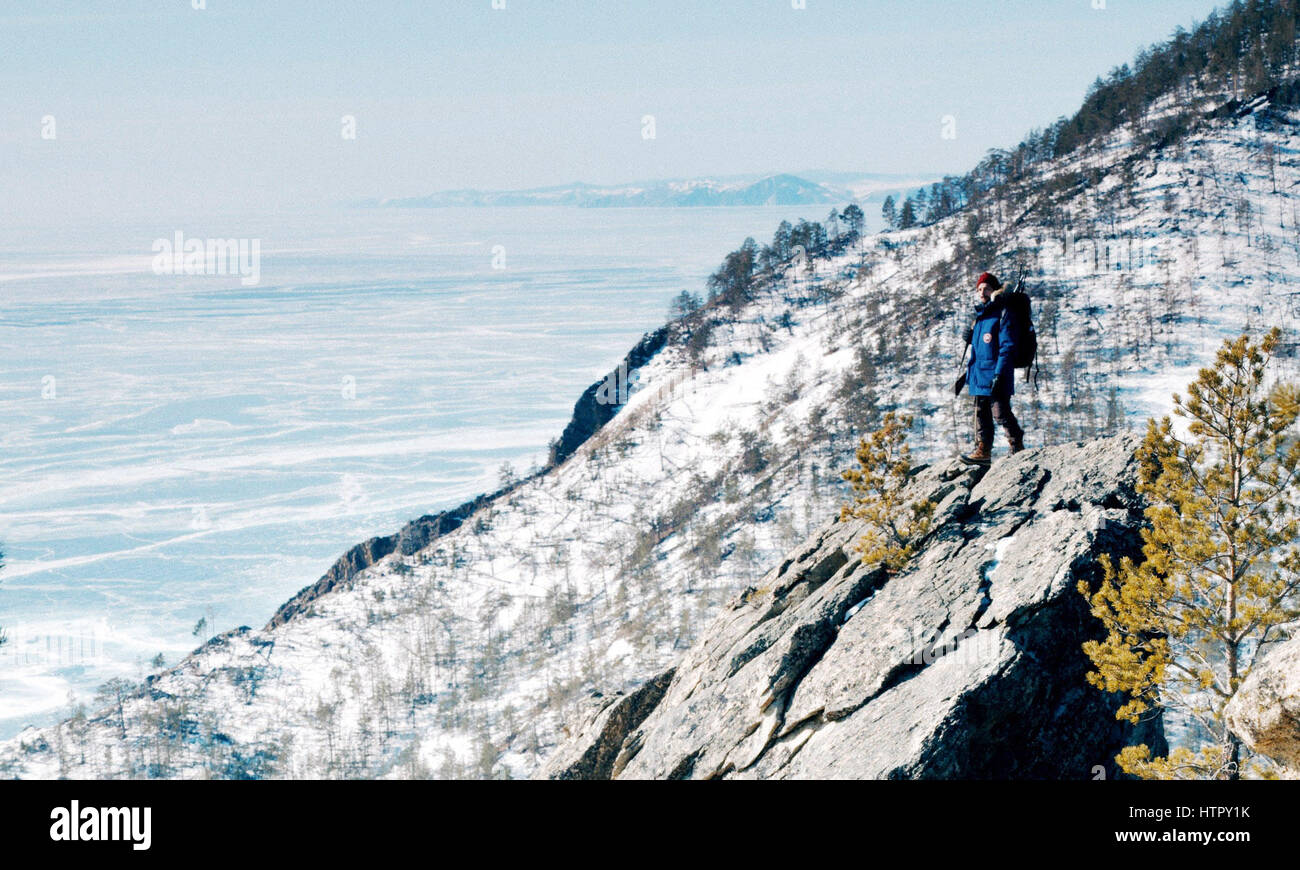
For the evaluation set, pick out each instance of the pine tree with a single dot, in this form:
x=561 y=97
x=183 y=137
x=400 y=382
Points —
x=833 y=223
x=1221 y=567
x=907 y=218
x=853 y=218
x=894 y=527
x=889 y=213
x=1114 y=412
x=781 y=241
x=685 y=304
x=113 y=694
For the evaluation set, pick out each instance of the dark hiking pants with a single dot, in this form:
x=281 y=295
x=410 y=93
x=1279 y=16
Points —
x=995 y=408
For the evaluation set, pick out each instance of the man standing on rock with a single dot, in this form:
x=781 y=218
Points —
x=989 y=375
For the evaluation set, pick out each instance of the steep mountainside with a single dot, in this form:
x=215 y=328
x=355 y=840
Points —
x=966 y=664
x=467 y=646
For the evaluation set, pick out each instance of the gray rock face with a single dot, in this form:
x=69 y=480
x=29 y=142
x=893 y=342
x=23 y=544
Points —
x=1265 y=712
x=966 y=664
x=607 y=722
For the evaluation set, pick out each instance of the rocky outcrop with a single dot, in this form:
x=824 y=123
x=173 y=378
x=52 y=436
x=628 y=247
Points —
x=589 y=413
x=411 y=538
x=1265 y=712
x=966 y=664
x=607 y=721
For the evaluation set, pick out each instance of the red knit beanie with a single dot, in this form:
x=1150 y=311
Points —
x=990 y=279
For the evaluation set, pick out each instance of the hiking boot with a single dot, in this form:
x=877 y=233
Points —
x=1017 y=442
x=979 y=456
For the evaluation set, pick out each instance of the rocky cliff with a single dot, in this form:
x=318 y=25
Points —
x=966 y=664
x=1265 y=712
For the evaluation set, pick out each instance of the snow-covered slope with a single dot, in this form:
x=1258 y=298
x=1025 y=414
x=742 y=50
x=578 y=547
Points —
x=469 y=656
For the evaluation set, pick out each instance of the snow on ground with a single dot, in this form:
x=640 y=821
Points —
x=471 y=657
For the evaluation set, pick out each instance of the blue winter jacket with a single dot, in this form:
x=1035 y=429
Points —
x=992 y=349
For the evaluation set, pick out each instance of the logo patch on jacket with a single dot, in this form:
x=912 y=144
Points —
x=988 y=337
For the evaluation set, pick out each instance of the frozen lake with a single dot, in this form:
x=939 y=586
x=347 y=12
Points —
x=178 y=448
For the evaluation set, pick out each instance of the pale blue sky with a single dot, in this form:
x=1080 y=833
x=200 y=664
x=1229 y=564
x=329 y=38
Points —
x=160 y=106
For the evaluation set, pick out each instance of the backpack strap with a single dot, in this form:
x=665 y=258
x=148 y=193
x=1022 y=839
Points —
x=1002 y=316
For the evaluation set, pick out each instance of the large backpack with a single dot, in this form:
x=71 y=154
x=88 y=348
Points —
x=1019 y=311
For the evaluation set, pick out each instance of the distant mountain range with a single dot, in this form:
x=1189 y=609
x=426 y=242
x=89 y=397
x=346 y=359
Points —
x=750 y=190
